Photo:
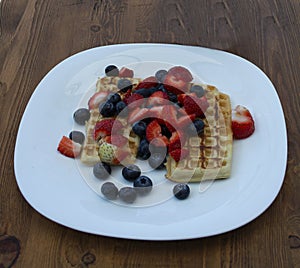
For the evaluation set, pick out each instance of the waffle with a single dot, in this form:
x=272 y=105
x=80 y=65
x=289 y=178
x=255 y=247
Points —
x=90 y=148
x=210 y=155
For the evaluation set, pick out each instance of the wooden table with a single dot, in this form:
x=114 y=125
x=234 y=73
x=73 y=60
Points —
x=36 y=35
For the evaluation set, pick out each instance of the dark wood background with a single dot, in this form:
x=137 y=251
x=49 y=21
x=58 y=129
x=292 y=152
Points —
x=35 y=35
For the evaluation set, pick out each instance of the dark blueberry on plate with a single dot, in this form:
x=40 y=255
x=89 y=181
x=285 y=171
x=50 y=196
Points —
x=77 y=136
x=101 y=170
x=107 y=109
x=120 y=106
x=143 y=185
x=160 y=75
x=81 y=116
x=127 y=194
x=181 y=191
x=157 y=160
x=124 y=85
x=131 y=172
x=143 y=150
x=114 y=98
x=198 y=90
x=139 y=128
x=109 y=190
x=112 y=70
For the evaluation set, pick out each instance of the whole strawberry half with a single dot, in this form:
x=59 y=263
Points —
x=125 y=72
x=181 y=73
x=242 y=123
x=96 y=99
x=69 y=148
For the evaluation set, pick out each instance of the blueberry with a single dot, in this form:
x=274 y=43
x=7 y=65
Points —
x=143 y=185
x=165 y=131
x=109 y=190
x=131 y=172
x=198 y=90
x=196 y=127
x=120 y=106
x=160 y=75
x=145 y=92
x=181 y=191
x=101 y=170
x=139 y=128
x=77 y=136
x=114 y=98
x=157 y=160
x=81 y=116
x=143 y=150
x=127 y=194
x=107 y=109
x=160 y=87
x=112 y=70
x=124 y=85
x=172 y=97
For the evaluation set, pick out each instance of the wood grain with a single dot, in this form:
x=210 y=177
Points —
x=35 y=35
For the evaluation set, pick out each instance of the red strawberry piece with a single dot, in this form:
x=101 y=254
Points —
x=137 y=114
x=242 y=123
x=181 y=97
x=185 y=120
x=148 y=82
x=156 y=112
x=179 y=154
x=195 y=105
x=68 y=147
x=133 y=100
x=170 y=114
x=117 y=140
x=96 y=99
x=175 y=84
x=161 y=141
x=181 y=73
x=106 y=127
x=177 y=140
x=125 y=72
x=170 y=127
x=158 y=98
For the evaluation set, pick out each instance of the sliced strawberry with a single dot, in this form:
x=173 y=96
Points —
x=181 y=97
x=170 y=127
x=125 y=72
x=133 y=99
x=117 y=140
x=148 y=82
x=158 y=98
x=185 y=120
x=177 y=140
x=68 y=147
x=156 y=112
x=175 y=85
x=170 y=114
x=179 y=154
x=96 y=99
x=181 y=73
x=106 y=127
x=242 y=123
x=153 y=131
x=195 y=105
x=161 y=141
x=137 y=114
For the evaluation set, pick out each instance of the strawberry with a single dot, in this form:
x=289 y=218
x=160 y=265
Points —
x=242 y=123
x=174 y=84
x=156 y=112
x=134 y=100
x=179 y=154
x=161 y=141
x=181 y=73
x=185 y=120
x=106 y=127
x=96 y=99
x=176 y=141
x=181 y=97
x=68 y=147
x=195 y=105
x=125 y=72
x=154 y=135
x=117 y=140
x=137 y=114
x=170 y=114
x=148 y=82
x=158 y=98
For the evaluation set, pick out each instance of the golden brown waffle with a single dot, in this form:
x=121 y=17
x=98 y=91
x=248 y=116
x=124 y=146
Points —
x=90 y=148
x=210 y=155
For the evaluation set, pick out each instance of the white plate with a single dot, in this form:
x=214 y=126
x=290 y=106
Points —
x=52 y=184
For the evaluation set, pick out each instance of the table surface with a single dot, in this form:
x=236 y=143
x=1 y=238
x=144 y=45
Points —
x=35 y=35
